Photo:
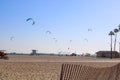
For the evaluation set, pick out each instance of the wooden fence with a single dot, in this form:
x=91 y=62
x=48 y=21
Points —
x=80 y=72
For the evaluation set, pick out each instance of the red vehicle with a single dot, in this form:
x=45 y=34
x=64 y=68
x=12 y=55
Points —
x=73 y=54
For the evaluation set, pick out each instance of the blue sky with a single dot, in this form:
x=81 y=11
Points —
x=66 y=19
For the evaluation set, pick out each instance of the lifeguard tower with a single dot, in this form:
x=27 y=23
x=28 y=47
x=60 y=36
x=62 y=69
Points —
x=34 y=52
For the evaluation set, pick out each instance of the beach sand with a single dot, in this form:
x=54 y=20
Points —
x=41 y=70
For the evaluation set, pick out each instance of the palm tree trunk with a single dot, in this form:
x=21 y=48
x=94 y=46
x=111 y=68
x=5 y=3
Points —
x=115 y=42
x=111 y=46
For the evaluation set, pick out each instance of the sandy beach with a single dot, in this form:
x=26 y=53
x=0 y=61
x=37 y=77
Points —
x=43 y=70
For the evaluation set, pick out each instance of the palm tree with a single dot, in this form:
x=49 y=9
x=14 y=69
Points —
x=115 y=31
x=119 y=30
x=111 y=34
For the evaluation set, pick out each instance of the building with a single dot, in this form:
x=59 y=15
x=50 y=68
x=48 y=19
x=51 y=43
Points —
x=107 y=54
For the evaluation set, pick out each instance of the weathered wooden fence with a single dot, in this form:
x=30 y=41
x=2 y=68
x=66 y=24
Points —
x=80 y=72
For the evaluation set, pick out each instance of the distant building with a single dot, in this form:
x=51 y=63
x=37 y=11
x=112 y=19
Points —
x=107 y=54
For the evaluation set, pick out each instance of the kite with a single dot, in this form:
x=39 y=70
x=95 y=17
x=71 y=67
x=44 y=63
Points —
x=11 y=38
x=48 y=32
x=54 y=38
x=68 y=48
x=70 y=40
x=89 y=29
x=31 y=19
x=86 y=39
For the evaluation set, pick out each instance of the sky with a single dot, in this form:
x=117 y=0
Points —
x=80 y=26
